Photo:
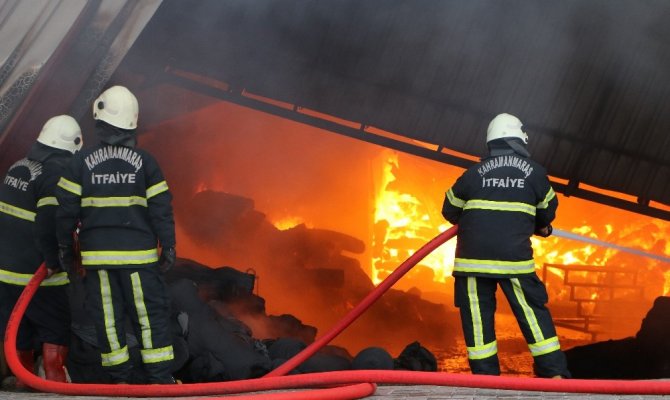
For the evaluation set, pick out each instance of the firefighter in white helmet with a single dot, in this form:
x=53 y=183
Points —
x=28 y=238
x=498 y=204
x=127 y=238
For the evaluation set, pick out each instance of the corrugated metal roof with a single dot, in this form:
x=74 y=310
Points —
x=589 y=78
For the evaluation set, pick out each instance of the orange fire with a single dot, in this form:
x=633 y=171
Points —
x=408 y=223
x=288 y=222
x=387 y=199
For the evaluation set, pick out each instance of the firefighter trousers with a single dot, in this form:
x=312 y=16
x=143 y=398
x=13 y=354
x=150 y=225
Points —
x=47 y=317
x=112 y=295
x=476 y=299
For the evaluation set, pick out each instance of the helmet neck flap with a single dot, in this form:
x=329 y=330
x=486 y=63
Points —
x=507 y=146
x=115 y=136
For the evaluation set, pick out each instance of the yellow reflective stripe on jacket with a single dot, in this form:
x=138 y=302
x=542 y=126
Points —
x=18 y=279
x=70 y=186
x=47 y=201
x=455 y=201
x=481 y=352
x=157 y=355
x=113 y=201
x=158 y=188
x=499 y=206
x=544 y=347
x=550 y=195
x=119 y=257
x=17 y=212
x=494 y=266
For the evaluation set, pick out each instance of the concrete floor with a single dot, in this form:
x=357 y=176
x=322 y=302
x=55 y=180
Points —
x=396 y=392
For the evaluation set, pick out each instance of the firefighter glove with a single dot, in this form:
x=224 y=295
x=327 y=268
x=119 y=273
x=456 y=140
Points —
x=167 y=260
x=52 y=267
x=66 y=257
x=544 y=231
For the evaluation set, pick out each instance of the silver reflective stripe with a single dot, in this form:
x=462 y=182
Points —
x=15 y=278
x=455 y=201
x=113 y=201
x=484 y=351
x=527 y=310
x=141 y=308
x=499 y=206
x=70 y=186
x=119 y=257
x=544 y=347
x=17 y=212
x=47 y=201
x=158 y=188
x=157 y=355
x=108 y=313
x=494 y=266
x=115 y=357
x=475 y=312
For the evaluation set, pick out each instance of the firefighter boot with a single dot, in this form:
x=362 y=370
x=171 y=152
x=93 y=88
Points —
x=27 y=358
x=53 y=356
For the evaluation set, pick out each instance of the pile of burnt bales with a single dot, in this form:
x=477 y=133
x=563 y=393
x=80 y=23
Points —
x=643 y=356
x=212 y=344
x=222 y=347
x=310 y=273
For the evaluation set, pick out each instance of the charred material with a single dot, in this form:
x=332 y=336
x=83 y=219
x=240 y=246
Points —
x=643 y=356
x=315 y=263
x=212 y=343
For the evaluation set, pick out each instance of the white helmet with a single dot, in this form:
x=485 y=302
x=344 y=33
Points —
x=118 y=107
x=504 y=126
x=62 y=132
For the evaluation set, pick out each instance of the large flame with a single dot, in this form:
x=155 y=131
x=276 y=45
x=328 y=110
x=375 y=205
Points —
x=405 y=222
x=389 y=200
x=409 y=225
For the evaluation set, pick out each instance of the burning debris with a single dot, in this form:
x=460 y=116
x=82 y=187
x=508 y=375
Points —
x=388 y=199
x=213 y=343
x=314 y=263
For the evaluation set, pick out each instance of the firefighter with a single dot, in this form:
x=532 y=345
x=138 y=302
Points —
x=118 y=195
x=498 y=204
x=28 y=238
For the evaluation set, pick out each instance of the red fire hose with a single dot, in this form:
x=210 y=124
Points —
x=365 y=303
x=358 y=382
x=354 y=390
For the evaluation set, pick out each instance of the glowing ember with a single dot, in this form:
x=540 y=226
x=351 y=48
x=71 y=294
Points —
x=287 y=223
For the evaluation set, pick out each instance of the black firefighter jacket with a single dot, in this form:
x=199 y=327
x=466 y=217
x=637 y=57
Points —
x=498 y=204
x=119 y=196
x=27 y=216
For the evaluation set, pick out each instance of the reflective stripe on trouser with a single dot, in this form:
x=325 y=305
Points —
x=145 y=293
x=477 y=308
x=527 y=296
